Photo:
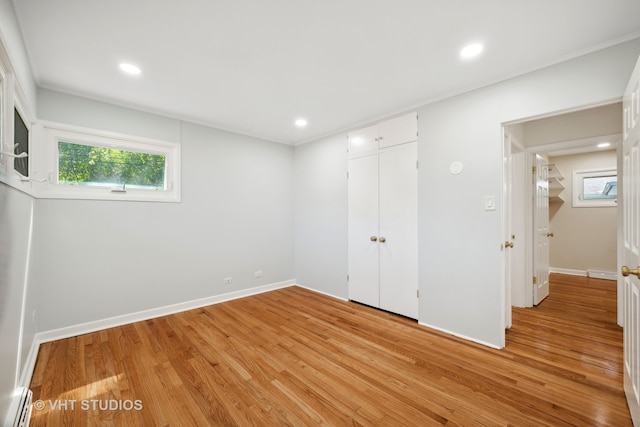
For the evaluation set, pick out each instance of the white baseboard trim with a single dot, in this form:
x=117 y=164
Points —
x=323 y=293
x=607 y=275
x=29 y=364
x=97 y=325
x=597 y=274
x=568 y=271
x=464 y=337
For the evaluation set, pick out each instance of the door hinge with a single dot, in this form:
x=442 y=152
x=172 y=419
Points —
x=347 y=175
x=418 y=293
x=347 y=277
x=534 y=170
x=535 y=280
x=417 y=164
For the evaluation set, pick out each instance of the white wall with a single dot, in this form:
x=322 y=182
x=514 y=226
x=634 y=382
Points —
x=584 y=238
x=460 y=260
x=12 y=39
x=460 y=263
x=16 y=298
x=16 y=336
x=459 y=242
x=99 y=259
x=74 y=110
x=577 y=125
x=321 y=215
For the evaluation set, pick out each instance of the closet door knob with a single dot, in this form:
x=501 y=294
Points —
x=373 y=238
x=382 y=240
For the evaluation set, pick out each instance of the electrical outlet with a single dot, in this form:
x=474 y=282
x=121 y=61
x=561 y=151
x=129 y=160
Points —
x=228 y=280
x=257 y=274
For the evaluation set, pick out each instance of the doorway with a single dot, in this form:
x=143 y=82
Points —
x=565 y=135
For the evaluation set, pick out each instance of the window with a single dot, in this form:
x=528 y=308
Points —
x=20 y=144
x=89 y=165
x=595 y=188
x=101 y=165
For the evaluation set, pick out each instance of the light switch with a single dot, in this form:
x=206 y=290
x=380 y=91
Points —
x=489 y=203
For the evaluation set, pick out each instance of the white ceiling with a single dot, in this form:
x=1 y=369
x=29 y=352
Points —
x=254 y=66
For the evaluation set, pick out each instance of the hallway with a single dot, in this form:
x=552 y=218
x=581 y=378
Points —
x=573 y=342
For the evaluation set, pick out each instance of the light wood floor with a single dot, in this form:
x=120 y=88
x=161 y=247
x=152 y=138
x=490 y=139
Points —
x=294 y=357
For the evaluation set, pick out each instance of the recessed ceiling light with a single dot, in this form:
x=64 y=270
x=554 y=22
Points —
x=301 y=123
x=130 y=68
x=604 y=144
x=471 y=50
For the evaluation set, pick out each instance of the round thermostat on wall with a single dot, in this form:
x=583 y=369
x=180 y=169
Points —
x=455 y=168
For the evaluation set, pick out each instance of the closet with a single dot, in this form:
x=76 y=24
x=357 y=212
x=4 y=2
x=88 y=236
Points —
x=383 y=215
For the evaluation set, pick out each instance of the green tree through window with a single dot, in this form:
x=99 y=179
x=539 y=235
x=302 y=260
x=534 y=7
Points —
x=90 y=165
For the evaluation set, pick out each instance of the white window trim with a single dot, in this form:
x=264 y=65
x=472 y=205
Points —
x=578 y=177
x=46 y=182
x=15 y=100
x=6 y=112
x=4 y=134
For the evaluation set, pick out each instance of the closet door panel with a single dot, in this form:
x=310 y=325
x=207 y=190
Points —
x=363 y=231
x=399 y=230
x=399 y=130
x=363 y=140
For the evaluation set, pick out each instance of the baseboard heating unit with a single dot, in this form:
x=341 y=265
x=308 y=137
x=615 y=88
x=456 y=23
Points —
x=21 y=407
x=607 y=275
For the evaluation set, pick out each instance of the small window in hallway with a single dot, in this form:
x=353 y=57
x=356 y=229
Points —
x=595 y=188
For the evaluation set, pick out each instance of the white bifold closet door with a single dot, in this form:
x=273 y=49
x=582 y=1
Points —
x=383 y=218
x=364 y=257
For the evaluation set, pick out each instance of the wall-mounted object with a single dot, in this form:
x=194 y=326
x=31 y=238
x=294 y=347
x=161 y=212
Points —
x=455 y=168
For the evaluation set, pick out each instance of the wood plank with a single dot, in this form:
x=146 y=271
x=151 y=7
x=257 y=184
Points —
x=295 y=357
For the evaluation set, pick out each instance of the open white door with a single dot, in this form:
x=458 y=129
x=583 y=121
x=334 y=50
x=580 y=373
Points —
x=508 y=230
x=541 y=231
x=631 y=236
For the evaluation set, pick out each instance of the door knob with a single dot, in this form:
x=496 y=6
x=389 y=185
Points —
x=627 y=271
x=373 y=238
x=508 y=244
x=382 y=240
x=549 y=234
